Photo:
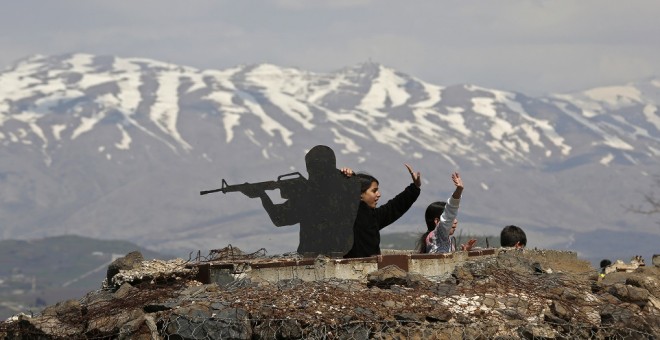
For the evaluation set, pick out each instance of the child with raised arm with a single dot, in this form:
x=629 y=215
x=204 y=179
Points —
x=371 y=219
x=441 y=222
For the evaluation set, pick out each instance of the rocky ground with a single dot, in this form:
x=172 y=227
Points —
x=505 y=297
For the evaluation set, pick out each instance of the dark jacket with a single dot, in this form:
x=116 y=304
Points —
x=369 y=222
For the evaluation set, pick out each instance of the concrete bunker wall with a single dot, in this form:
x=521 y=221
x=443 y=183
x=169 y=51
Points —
x=323 y=268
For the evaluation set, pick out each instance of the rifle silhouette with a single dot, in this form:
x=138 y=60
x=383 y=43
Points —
x=286 y=185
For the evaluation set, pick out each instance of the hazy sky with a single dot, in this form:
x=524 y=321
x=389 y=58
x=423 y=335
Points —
x=532 y=47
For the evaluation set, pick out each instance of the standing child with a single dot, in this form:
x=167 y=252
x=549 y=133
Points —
x=441 y=223
x=371 y=219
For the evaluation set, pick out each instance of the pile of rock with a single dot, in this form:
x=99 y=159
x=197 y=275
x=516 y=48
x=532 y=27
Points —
x=133 y=269
x=508 y=296
x=620 y=266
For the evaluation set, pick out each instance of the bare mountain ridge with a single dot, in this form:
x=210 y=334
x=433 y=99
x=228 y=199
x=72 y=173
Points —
x=120 y=147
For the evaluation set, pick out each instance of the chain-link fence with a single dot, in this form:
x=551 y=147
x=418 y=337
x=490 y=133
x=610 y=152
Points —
x=179 y=327
x=190 y=327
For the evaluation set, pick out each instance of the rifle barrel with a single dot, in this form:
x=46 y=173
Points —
x=209 y=191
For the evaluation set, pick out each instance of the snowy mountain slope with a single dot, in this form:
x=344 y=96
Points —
x=60 y=98
x=119 y=147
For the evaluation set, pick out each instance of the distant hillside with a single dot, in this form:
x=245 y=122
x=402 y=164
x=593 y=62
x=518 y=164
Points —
x=619 y=245
x=48 y=270
x=409 y=240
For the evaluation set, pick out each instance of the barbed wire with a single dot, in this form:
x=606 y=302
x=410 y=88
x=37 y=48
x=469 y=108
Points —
x=228 y=253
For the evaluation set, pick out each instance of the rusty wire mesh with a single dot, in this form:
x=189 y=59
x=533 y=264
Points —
x=214 y=328
x=228 y=253
x=189 y=327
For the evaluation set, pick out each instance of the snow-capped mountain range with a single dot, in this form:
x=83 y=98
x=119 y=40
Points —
x=120 y=147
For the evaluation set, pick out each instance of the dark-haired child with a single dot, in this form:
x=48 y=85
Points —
x=513 y=236
x=371 y=219
x=441 y=223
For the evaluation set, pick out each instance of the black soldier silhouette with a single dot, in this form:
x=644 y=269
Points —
x=325 y=204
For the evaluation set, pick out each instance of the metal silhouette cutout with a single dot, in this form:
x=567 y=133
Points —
x=325 y=204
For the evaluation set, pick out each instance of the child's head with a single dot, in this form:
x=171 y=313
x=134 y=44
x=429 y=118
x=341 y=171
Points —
x=432 y=214
x=604 y=263
x=513 y=236
x=369 y=192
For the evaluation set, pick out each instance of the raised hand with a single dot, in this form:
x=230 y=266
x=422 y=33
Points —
x=468 y=246
x=348 y=172
x=416 y=176
x=458 y=182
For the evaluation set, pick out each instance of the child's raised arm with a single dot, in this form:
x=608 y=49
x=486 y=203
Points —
x=416 y=176
x=458 y=182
